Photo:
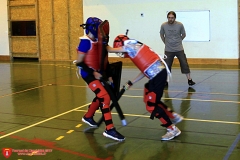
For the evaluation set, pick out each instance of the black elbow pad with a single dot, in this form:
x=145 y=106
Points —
x=85 y=67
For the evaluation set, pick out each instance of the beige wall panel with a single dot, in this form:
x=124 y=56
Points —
x=210 y=61
x=75 y=19
x=61 y=47
x=21 y=2
x=24 y=44
x=46 y=47
x=191 y=61
x=61 y=38
x=45 y=30
x=25 y=55
x=59 y=29
x=23 y=13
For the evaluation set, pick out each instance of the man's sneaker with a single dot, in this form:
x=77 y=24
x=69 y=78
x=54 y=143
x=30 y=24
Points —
x=171 y=133
x=90 y=121
x=113 y=134
x=177 y=118
x=166 y=84
x=190 y=82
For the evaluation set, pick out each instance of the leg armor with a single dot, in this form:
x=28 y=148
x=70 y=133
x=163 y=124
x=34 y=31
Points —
x=92 y=108
x=104 y=100
x=154 y=109
x=168 y=111
x=145 y=92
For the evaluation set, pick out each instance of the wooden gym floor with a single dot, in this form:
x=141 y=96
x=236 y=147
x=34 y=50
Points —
x=42 y=103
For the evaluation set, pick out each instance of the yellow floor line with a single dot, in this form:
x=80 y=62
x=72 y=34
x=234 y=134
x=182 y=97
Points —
x=70 y=131
x=59 y=138
x=79 y=125
x=72 y=86
x=175 y=91
x=212 y=121
x=200 y=100
x=186 y=119
x=25 y=90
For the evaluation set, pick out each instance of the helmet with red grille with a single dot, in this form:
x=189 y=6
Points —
x=119 y=41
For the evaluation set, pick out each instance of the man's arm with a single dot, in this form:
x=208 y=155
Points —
x=183 y=32
x=183 y=36
x=135 y=80
x=163 y=38
x=138 y=78
x=162 y=35
x=115 y=50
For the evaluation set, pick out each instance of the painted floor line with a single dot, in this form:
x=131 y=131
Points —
x=211 y=121
x=59 y=138
x=175 y=91
x=186 y=119
x=71 y=86
x=25 y=90
x=203 y=100
x=232 y=148
x=200 y=100
x=140 y=89
x=35 y=124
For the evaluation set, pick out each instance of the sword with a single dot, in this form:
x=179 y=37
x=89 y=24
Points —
x=120 y=113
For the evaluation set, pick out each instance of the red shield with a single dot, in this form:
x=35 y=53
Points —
x=103 y=32
x=6 y=152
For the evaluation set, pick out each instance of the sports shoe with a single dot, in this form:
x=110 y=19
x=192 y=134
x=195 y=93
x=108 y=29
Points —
x=90 y=121
x=166 y=84
x=113 y=134
x=190 y=82
x=171 y=133
x=177 y=118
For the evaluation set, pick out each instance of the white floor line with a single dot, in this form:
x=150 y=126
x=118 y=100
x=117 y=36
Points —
x=35 y=124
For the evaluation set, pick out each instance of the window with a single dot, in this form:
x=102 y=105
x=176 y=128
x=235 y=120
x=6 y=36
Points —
x=23 y=28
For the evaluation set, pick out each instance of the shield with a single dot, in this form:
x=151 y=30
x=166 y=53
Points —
x=6 y=152
x=103 y=32
x=116 y=69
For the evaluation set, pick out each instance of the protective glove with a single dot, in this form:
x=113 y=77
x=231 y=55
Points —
x=111 y=84
x=127 y=85
x=75 y=62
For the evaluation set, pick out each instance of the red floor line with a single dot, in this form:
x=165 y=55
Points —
x=51 y=145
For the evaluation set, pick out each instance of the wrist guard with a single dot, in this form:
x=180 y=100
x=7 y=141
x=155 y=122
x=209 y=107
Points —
x=127 y=85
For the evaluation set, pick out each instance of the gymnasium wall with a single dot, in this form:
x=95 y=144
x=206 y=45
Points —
x=4 y=43
x=58 y=27
x=143 y=19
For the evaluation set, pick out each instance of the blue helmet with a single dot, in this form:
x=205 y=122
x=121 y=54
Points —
x=92 y=24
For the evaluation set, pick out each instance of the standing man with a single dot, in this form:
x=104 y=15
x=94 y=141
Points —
x=172 y=33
